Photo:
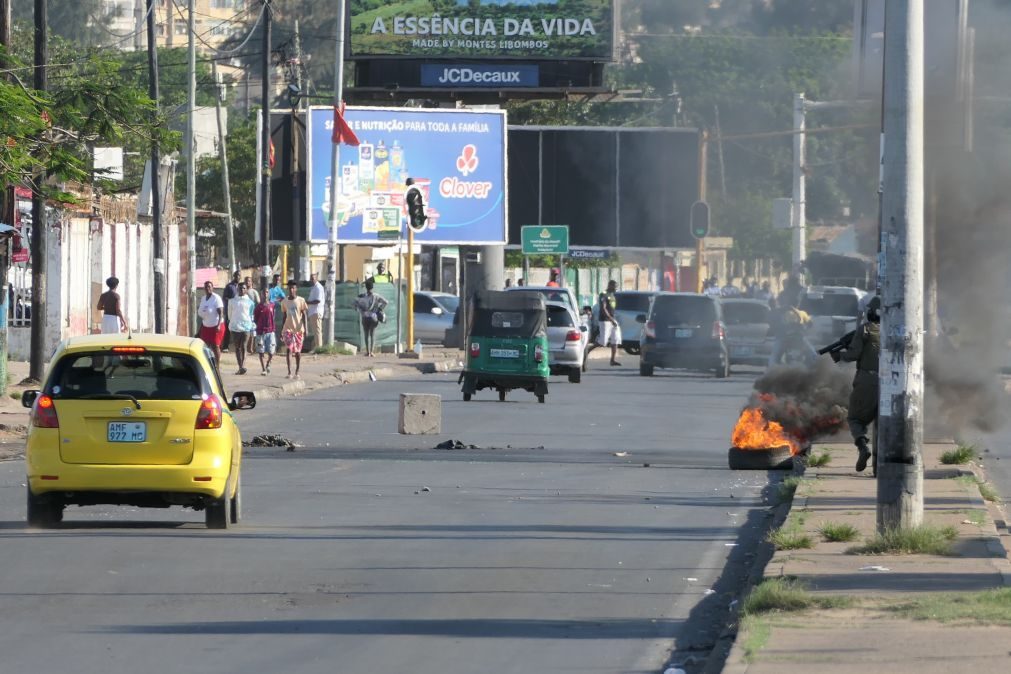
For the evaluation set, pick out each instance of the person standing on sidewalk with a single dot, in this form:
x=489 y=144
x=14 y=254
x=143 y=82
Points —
x=863 y=350
x=240 y=323
x=296 y=315
x=254 y=297
x=370 y=306
x=266 y=340
x=316 y=296
x=276 y=296
x=109 y=303
x=212 y=321
x=230 y=291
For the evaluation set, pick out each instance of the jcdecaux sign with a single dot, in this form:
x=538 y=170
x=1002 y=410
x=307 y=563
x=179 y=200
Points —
x=498 y=76
x=548 y=29
x=456 y=158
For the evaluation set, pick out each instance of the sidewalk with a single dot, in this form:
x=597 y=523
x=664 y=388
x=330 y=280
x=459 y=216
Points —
x=877 y=613
x=318 y=372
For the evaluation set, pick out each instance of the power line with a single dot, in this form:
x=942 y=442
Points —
x=242 y=44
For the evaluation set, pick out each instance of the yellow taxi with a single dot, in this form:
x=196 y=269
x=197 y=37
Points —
x=138 y=420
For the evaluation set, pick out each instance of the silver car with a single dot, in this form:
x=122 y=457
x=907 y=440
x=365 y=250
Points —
x=749 y=341
x=629 y=304
x=566 y=341
x=433 y=315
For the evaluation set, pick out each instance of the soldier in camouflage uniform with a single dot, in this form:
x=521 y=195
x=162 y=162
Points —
x=864 y=350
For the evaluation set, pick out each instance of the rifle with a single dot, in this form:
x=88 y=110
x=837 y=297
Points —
x=838 y=345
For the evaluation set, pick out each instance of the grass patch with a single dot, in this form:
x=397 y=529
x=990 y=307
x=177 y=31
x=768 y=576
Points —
x=819 y=460
x=834 y=532
x=14 y=395
x=333 y=350
x=986 y=490
x=790 y=539
x=990 y=607
x=788 y=487
x=757 y=633
x=922 y=540
x=779 y=595
x=961 y=455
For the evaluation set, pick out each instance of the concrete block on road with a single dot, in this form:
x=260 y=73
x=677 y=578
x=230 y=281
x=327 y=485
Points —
x=420 y=414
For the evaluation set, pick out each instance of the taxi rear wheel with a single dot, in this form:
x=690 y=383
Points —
x=235 y=504
x=216 y=513
x=42 y=514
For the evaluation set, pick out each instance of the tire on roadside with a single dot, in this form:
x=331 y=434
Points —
x=776 y=458
x=41 y=513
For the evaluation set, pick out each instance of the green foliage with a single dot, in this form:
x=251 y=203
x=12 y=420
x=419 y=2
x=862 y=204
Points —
x=990 y=607
x=960 y=455
x=790 y=538
x=922 y=540
x=777 y=595
x=819 y=460
x=833 y=532
x=514 y=258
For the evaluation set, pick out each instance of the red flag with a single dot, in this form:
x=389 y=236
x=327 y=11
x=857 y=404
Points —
x=342 y=132
x=271 y=154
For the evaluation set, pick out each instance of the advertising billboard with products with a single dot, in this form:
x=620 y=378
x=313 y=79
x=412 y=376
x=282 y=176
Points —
x=527 y=29
x=456 y=158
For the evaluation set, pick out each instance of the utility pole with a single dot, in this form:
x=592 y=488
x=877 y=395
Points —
x=191 y=169
x=268 y=16
x=799 y=182
x=296 y=203
x=159 y=261
x=335 y=176
x=700 y=246
x=900 y=415
x=7 y=215
x=226 y=185
x=40 y=223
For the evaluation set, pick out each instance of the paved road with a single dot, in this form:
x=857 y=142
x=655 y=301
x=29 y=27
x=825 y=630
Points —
x=552 y=555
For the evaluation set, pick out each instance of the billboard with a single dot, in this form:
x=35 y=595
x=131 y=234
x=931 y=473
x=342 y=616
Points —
x=457 y=158
x=528 y=29
x=614 y=187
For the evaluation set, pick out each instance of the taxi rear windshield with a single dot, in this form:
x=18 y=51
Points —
x=144 y=376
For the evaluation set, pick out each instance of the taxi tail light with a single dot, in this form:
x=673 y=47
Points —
x=44 y=413
x=573 y=336
x=651 y=329
x=538 y=353
x=209 y=416
x=475 y=350
x=129 y=349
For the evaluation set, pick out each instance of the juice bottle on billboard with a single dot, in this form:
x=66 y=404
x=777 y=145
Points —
x=404 y=175
x=349 y=179
x=382 y=167
x=326 y=195
x=366 y=167
x=396 y=161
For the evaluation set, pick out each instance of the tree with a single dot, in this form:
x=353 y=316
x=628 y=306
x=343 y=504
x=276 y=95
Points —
x=81 y=21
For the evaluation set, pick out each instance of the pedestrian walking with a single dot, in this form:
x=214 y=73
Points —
x=276 y=296
x=254 y=297
x=230 y=291
x=296 y=315
x=315 y=302
x=509 y=283
x=240 y=323
x=863 y=350
x=370 y=306
x=553 y=279
x=266 y=340
x=609 y=332
x=109 y=303
x=212 y=321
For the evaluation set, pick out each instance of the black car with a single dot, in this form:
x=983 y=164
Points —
x=684 y=331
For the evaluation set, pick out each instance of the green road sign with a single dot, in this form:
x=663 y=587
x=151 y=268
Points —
x=545 y=239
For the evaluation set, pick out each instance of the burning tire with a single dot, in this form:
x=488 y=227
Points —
x=773 y=458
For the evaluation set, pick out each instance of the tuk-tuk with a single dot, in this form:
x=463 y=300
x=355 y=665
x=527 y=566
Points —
x=507 y=345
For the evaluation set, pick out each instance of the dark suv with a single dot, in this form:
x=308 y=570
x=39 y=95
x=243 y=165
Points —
x=684 y=331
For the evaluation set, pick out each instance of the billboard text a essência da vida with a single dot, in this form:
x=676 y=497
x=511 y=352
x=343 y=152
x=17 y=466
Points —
x=528 y=29
x=456 y=158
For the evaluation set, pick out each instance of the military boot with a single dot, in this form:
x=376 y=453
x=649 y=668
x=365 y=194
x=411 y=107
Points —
x=864 y=456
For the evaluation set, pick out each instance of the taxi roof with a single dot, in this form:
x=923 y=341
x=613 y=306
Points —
x=147 y=340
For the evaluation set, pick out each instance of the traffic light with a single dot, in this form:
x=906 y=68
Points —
x=700 y=220
x=416 y=217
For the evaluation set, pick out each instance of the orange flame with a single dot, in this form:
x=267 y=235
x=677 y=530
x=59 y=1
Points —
x=754 y=431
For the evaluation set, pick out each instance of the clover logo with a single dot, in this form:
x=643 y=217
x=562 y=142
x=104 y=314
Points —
x=467 y=162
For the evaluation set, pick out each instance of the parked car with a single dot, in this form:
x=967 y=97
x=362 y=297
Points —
x=566 y=341
x=551 y=294
x=138 y=420
x=629 y=305
x=684 y=331
x=749 y=341
x=834 y=311
x=433 y=315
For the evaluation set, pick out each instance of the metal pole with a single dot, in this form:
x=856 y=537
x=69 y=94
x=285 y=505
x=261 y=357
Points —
x=40 y=225
x=410 y=290
x=191 y=166
x=226 y=185
x=296 y=205
x=266 y=169
x=900 y=420
x=700 y=248
x=400 y=291
x=335 y=176
x=156 y=206
x=799 y=182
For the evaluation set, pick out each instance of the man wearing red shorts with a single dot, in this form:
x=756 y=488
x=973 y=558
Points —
x=295 y=312
x=212 y=320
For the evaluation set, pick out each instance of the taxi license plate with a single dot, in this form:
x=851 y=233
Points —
x=682 y=333
x=505 y=353
x=122 y=431
x=744 y=351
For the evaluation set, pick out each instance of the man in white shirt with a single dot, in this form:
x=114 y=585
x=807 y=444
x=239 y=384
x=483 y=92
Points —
x=315 y=302
x=212 y=320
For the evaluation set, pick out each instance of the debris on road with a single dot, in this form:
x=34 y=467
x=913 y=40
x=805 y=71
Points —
x=271 y=441
x=875 y=567
x=455 y=444
x=620 y=454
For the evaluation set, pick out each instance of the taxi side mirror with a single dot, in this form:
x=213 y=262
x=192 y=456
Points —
x=641 y=318
x=242 y=400
x=28 y=397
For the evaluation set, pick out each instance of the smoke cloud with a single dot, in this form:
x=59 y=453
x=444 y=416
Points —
x=810 y=403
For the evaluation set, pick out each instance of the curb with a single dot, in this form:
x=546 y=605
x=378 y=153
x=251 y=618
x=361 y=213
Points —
x=994 y=539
